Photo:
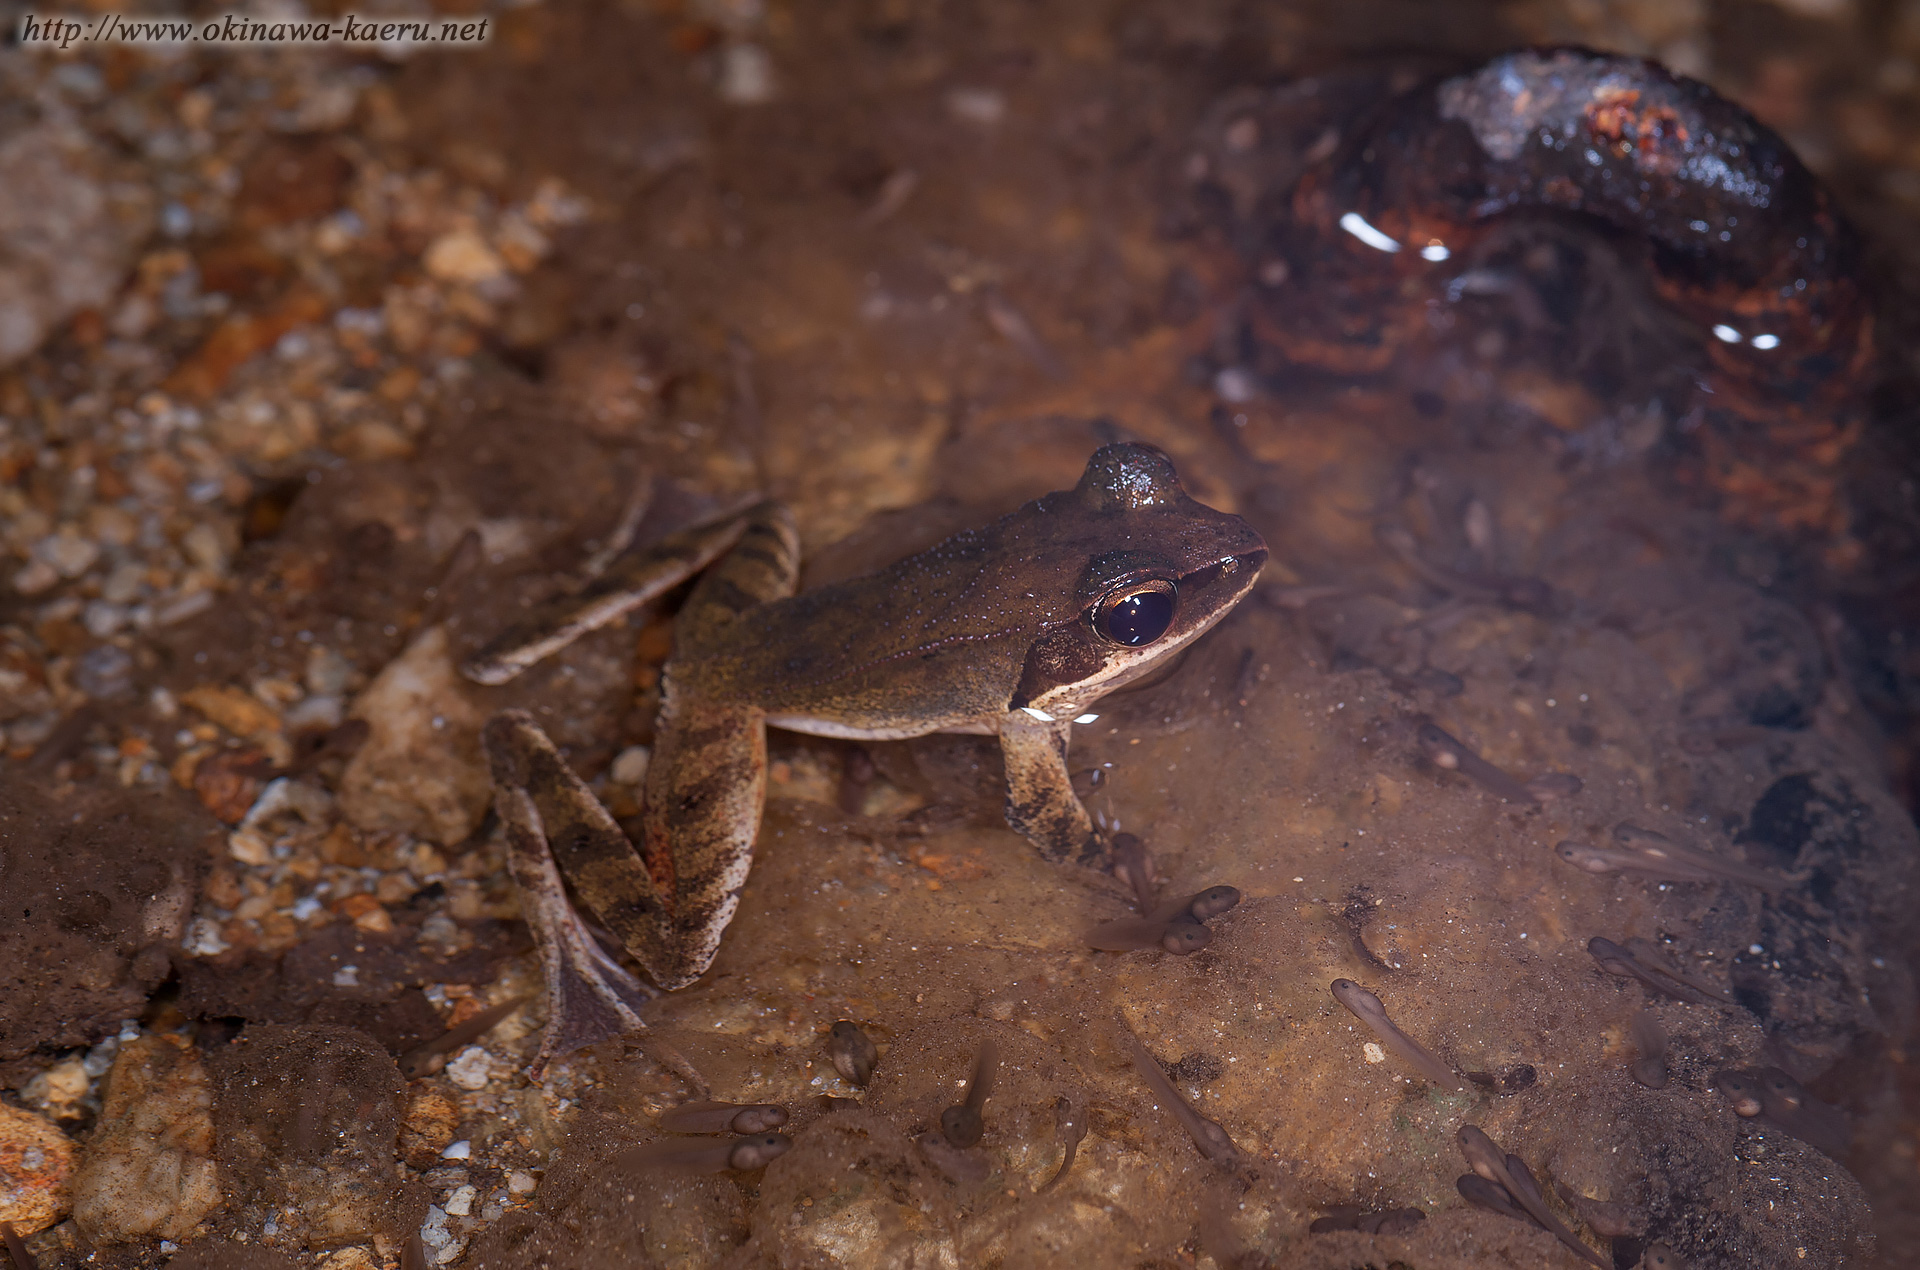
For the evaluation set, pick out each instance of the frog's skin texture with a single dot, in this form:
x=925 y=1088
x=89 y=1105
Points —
x=1013 y=630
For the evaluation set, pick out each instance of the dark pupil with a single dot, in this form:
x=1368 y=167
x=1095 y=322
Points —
x=1141 y=618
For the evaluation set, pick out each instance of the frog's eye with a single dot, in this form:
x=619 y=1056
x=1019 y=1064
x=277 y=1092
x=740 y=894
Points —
x=1137 y=614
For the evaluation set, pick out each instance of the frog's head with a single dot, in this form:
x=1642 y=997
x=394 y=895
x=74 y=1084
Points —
x=1160 y=570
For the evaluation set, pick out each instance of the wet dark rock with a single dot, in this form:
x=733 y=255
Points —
x=97 y=889
x=307 y=1123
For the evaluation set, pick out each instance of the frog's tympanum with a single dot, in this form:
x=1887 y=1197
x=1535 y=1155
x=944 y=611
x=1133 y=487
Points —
x=1012 y=630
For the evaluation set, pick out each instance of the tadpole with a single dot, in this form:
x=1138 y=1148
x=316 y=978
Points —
x=741 y=1155
x=1069 y=1127
x=17 y=1248
x=707 y=1116
x=1650 y=1040
x=1447 y=751
x=1213 y=1141
x=1366 y=1007
x=428 y=1058
x=852 y=1052
x=962 y=1124
x=1497 y=1167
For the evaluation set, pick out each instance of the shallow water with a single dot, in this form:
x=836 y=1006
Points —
x=1519 y=492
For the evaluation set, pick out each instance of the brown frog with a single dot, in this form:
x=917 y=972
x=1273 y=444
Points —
x=1012 y=630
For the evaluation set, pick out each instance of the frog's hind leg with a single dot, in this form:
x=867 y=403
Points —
x=707 y=778
x=554 y=823
x=628 y=582
x=1041 y=804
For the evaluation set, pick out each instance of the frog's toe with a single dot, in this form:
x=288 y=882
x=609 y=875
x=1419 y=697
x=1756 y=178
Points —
x=1096 y=852
x=590 y=996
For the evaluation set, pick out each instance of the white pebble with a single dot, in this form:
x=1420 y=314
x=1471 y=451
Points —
x=1373 y=1052
x=630 y=768
x=746 y=75
x=471 y=1068
x=461 y=1150
x=521 y=1182
x=203 y=938
x=68 y=553
x=460 y=1203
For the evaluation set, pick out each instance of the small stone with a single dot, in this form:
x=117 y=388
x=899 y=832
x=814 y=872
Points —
x=461 y=1150
x=104 y=673
x=206 y=547
x=203 y=938
x=471 y=1069
x=228 y=782
x=127 y=583
x=630 y=767
x=148 y=1170
x=520 y=1182
x=59 y=1087
x=357 y=1258
x=68 y=553
x=36 y=1162
x=428 y=1128
x=315 y=713
x=460 y=1203
x=36 y=577
x=240 y=713
x=103 y=619
x=420 y=769
x=463 y=256
x=328 y=674
x=249 y=847
x=746 y=75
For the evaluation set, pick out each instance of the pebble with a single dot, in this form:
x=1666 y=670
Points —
x=630 y=767
x=521 y=1182
x=36 y=1164
x=463 y=256
x=67 y=552
x=746 y=75
x=59 y=1087
x=103 y=619
x=411 y=775
x=37 y=576
x=105 y=672
x=148 y=1170
x=471 y=1069
x=68 y=240
x=463 y=1149
x=460 y=1202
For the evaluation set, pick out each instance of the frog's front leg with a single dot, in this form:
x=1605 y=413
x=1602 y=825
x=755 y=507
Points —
x=1041 y=804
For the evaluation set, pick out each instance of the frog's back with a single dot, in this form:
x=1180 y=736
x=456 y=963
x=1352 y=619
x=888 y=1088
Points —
x=940 y=641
